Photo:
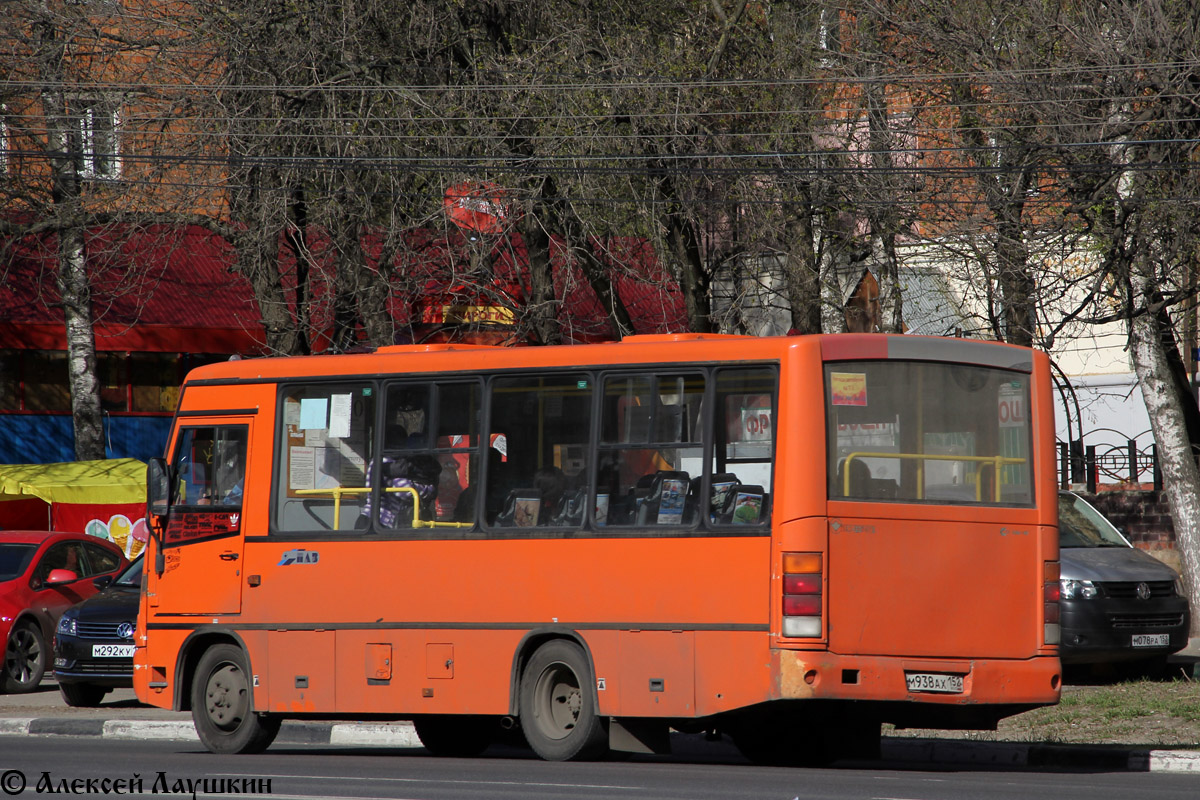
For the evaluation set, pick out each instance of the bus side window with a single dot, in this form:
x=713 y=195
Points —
x=325 y=436
x=427 y=458
x=210 y=465
x=541 y=477
x=650 y=448
x=744 y=446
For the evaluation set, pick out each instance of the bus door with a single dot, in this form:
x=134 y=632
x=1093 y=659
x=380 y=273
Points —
x=202 y=543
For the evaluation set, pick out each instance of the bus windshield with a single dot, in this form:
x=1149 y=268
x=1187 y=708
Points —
x=907 y=431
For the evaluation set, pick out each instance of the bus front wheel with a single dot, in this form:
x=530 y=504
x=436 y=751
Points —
x=223 y=704
x=558 y=706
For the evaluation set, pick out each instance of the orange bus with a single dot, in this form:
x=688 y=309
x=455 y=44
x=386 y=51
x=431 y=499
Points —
x=787 y=540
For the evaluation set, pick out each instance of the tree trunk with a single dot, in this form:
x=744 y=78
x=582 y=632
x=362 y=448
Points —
x=541 y=309
x=73 y=287
x=258 y=261
x=802 y=272
x=693 y=277
x=76 y=296
x=1181 y=477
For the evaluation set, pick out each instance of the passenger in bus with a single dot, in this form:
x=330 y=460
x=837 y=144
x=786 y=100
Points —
x=860 y=479
x=421 y=472
x=464 y=510
x=552 y=483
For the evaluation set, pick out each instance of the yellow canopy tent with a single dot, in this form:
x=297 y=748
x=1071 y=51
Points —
x=104 y=498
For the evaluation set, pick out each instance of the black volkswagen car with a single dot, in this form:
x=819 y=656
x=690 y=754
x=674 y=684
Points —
x=93 y=647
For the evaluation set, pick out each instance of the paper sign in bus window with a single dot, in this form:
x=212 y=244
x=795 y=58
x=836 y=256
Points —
x=848 y=388
x=302 y=467
x=314 y=411
x=339 y=415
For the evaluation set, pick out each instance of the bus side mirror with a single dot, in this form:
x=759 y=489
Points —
x=158 y=487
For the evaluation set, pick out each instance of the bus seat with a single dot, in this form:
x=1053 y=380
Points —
x=521 y=509
x=572 y=510
x=650 y=510
x=724 y=487
x=884 y=488
x=641 y=489
x=741 y=510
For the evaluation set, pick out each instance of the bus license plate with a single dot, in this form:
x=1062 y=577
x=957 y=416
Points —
x=933 y=682
x=1151 y=639
x=112 y=651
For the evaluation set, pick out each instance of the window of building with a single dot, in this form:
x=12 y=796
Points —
x=113 y=382
x=45 y=381
x=154 y=379
x=10 y=380
x=93 y=139
x=4 y=145
x=32 y=380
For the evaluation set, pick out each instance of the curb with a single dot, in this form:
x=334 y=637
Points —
x=402 y=734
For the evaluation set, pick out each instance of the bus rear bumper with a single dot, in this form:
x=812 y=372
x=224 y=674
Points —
x=1019 y=683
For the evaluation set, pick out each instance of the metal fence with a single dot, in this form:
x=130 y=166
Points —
x=1092 y=465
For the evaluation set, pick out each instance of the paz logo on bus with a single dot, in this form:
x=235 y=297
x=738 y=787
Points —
x=299 y=557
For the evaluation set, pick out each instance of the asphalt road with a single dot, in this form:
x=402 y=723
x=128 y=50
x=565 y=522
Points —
x=298 y=772
x=126 y=726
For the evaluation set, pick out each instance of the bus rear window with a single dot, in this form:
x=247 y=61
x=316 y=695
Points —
x=907 y=431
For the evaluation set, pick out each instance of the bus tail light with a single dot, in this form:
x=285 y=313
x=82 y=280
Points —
x=1051 y=595
x=802 y=594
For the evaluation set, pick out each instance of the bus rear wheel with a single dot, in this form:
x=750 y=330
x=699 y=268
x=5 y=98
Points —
x=558 y=705
x=223 y=704
x=456 y=737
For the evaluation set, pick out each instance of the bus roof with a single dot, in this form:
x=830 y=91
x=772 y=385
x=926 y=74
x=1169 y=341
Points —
x=645 y=349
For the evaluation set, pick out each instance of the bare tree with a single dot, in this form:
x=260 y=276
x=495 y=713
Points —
x=80 y=81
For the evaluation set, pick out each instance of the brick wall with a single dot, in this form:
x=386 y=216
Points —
x=1144 y=517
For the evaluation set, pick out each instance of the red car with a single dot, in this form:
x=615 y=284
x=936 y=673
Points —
x=42 y=574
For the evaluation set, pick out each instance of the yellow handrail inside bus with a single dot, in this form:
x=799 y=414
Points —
x=921 y=458
x=417 y=522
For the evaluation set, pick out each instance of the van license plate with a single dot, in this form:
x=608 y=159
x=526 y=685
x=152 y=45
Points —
x=112 y=651
x=1151 y=640
x=933 y=682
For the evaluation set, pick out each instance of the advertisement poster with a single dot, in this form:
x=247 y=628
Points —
x=848 y=388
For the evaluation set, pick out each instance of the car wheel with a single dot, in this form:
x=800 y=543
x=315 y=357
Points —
x=460 y=737
x=558 y=706
x=223 y=704
x=24 y=659
x=82 y=695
